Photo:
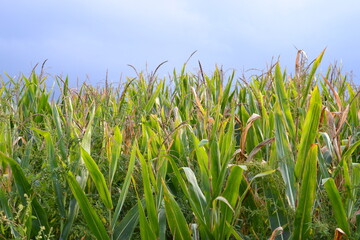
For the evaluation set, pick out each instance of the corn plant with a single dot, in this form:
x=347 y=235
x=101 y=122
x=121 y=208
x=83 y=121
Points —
x=194 y=156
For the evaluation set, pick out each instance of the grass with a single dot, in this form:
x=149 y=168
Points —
x=206 y=157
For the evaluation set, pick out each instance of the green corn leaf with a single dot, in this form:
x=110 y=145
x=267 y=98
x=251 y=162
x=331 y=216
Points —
x=203 y=142
x=351 y=203
x=231 y=194
x=278 y=215
x=354 y=107
x=225 y=201
x=146 y=232
x=92 y=219
x=348 y=187
x=226 y=94
x=303 y=214
x=125 y=186
x=309 y=131
x=215 y=165
x=149 y=198
x=98 y=178
x=194 y=186
x=337 y=205
x=283 y=101
x=151 y=101
x=57 y=120
x=162 y=224
x=23 y=188
x=203 y=218
x=346 y=155
x=203 y=162
x=227 y=149
x=357 y=224
x=125 y=229
x=310 y=77
x=263 y=174
x=323 y=166
x=116 y=149
x=234 y=233
x=195 y=192
x=4 y=206
x=50 y=148
x=175 y=217
x=86 y=141
x=285 y=157
x=26 y=221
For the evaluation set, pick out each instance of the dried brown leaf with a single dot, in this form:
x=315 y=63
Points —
x=339 y=233
x=277 y=231
x=342 y=120
x=336 y=95
x=258 y=147
x=249 y=123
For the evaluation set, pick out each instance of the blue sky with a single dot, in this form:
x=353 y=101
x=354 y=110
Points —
x=84 y=39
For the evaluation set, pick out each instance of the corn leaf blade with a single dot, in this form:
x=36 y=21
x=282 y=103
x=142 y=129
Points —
x=92 y=219
x=309 y=131
x=98 y=178
x=303 y=214
x=337 y=204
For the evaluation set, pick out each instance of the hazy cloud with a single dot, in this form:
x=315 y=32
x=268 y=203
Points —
x=89 y=37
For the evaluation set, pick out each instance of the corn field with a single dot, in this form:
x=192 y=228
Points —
x=194 y=156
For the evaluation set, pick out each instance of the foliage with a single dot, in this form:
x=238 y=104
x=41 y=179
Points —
x=193 y=157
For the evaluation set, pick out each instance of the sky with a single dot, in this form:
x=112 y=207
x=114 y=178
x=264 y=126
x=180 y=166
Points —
x=86 y=39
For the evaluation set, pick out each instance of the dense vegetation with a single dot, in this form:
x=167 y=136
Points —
x=195 y=156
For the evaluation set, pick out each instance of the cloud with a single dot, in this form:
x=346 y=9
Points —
x=91 y=36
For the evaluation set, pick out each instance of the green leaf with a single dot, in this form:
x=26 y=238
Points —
x=309 y=131
x=215 y=165
x=5 y=207
x=97 y=177
x=337 y=205
x=354 y=107
x=23 y=188
x=203 y=162
x=224 y=200
x=195 y=194
x=57 y=121
x=202 y=217
x=284 y=156
x=276 y=207
x=92 y=219
x=232 y=195
x=263 y=174
x=125 y=186
x=203 y=142
x=310 y=77
x=162 y=224
x=149 y=198
x=125 y=229
x=50 y=148
x=146 y=231
x=235 y=234
x=303 y=214
x=175 y=217
x=283 y=101
x=86 y=140
x=116 y=149
x=195 y=187
x=346 y=155
x=151 y=101
x=323 y=167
